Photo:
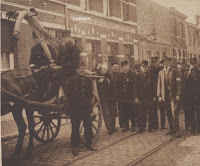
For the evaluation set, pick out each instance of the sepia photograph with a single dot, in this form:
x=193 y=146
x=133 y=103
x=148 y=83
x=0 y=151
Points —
x=100 y=82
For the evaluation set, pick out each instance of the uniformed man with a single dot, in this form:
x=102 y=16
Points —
x=66 y=62
x=127 y=96
x=39 y=63
x=79 y=95
x=143 y=95
x=153 y=71
x=192 y=96
x=114 y=75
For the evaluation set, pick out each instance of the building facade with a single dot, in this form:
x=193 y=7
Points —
x=193 y=41
x=178 y=37
x=100 y=28
x=158 y=18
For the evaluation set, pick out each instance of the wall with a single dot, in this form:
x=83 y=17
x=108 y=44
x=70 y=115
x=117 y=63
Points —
x=151 y=15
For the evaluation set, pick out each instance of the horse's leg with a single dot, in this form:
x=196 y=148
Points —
x=21 y=125
x=31 y=124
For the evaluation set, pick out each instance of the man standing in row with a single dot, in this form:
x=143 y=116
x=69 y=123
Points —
x=192 y=97
x=127 y=95
x=79 y=95
x=153 y=71
x=143 y=95
x=166 y=90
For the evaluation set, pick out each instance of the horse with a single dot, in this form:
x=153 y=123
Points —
x=18 y=83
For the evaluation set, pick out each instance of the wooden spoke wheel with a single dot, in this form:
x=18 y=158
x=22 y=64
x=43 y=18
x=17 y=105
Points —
x=96 y=120
x=47 y=127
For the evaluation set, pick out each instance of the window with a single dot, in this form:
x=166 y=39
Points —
x=115 y=8
x=7 y=46
x=194 y=39
x=182 y=30
x=190 y=37
x=74 y=2
x=124 y=11
x=174 y=27
x=7 y=61
x=96 y=5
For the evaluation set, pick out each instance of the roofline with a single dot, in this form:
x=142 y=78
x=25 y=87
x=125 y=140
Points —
x=192 y=25
x=173 y=10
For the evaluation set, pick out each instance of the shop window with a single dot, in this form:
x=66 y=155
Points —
x=78 y=42
x=7 y=61
x=52 y=32
x=164 y=54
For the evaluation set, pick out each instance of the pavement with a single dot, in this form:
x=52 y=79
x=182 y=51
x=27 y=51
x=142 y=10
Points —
x=119 y=149
x=184 y=151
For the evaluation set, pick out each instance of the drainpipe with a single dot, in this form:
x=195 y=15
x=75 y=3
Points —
x=66 y=16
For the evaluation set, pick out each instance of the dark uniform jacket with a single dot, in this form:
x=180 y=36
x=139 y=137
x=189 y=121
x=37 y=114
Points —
x=38 y=57
x=192 y=86
x=114 y=77
x=105 y=88
x=68 y=59
x=127 y=87
x=143 y=86
x=79 y=92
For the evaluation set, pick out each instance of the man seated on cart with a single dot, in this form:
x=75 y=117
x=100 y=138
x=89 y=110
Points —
x=64 y=68
x=79 y=97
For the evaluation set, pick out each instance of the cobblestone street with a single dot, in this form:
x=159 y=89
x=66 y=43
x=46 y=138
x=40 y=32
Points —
x=118 y=149
x=184 y=151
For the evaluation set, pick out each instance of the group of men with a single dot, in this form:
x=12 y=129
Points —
x=138 y=94
x=144 y=91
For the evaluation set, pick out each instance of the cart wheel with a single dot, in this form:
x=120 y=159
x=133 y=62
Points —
x=96 y=120
x=47 y=127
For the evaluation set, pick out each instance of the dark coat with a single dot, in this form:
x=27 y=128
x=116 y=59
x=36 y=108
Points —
x=105 y=88
x=127 y=87
x=114 y=77
x=143 y=86
x=79 y=93
x=68 y=59
x=38 y=57
x=192 y=87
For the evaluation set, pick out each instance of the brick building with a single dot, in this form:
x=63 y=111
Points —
x=158 y=18
x=178 y=24
x=98 y=27
x=193 y=41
